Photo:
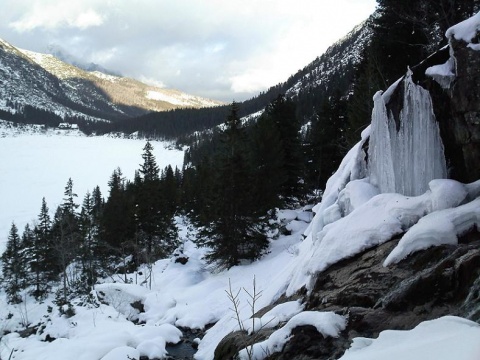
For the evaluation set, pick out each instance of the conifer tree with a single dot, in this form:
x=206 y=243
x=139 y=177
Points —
x=149 y=168
x=282 y=112
x=43 y=262
x=13 y=267
x=267 y=158
x=26 y=253
x=236 y=233
x=66 y=238
x=90 y=242
x=98 y=203
x=117 y=217
x=156 y=230
x=169 y=187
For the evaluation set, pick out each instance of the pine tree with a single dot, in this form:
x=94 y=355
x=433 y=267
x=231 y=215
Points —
x=360 y=105
x=90 y=242
x=43 y=261
x=236 y=232
x=282 y=112
x=325 y=141
x=267 y=158
x=148 y=211
x=98 y=205
x=117 y=217
x=69 y=206
x=66 y=238
x=169 y=188
x=149 y=168
x=13 y=267
x=28 y=240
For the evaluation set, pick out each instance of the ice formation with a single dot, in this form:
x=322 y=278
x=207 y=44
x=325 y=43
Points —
x=404 y=160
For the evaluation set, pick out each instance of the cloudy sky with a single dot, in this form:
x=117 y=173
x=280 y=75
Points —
x=222 y=49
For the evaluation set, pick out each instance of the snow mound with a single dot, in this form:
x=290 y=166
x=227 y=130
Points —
x=122 y=353
x=443 y=74
x=122 y=297
x=445 y=338
x=465 y=30
x=438 y=228
x=280 y=313
x=326 y=323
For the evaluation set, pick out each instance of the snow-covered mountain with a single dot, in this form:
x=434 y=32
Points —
x=44 y=82
x=309 y=87
x=63 y=55
x=334 y=67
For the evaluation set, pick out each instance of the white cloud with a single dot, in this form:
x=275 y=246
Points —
x=54 y=15
x=230 y=49
x=87 y=19
x=104 y=55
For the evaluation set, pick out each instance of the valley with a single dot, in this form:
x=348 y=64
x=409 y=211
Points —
x=335 y=215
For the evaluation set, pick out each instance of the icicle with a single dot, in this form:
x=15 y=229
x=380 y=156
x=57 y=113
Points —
x=404 y=161
x=379 y=153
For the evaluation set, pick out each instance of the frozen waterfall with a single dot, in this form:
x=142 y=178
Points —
x=405 y=160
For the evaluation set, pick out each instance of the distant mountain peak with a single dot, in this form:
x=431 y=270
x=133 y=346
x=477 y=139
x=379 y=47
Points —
x=63 y=55
x=47 y=83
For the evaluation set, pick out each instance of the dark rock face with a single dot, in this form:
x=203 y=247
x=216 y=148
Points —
x=427 y=285
x=312 y=344
x=465 y=98
x=458 y=111
x=231 y=344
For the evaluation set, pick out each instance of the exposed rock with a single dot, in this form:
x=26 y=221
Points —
x=458 y=112
x=427 y=285
x=231 y=344
x=182 y=260
x=465 y=97
x=312 y=344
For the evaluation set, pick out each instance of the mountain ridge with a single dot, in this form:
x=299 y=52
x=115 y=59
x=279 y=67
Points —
x=45 y=83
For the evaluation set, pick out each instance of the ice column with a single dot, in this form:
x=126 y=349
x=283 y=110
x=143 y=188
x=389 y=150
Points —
x=404 y=161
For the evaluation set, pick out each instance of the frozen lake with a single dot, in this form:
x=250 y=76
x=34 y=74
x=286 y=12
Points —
x=33 y=166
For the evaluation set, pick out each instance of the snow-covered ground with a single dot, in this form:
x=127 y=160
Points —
x=35 y=165
x=352 y=217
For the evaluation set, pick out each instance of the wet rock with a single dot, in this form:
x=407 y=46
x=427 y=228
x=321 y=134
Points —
x=458 y=113
x=312 y=344
x=231 y=344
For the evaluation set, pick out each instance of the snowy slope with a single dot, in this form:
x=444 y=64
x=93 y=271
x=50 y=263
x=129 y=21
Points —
x=128 y=91
x=25 y=83
x=335 y=63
